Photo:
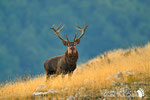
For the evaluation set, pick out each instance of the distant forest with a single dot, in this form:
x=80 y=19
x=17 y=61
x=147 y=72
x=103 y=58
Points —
x=26 y=40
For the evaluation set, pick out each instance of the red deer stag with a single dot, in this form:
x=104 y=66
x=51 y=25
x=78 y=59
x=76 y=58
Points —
x=66 y=63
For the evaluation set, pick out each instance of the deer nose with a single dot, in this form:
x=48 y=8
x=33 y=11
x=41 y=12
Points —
x=72 y=48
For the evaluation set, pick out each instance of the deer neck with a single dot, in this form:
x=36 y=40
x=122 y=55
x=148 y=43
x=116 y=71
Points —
x=71 y=59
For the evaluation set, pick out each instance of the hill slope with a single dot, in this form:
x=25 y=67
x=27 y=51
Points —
x=117 y=70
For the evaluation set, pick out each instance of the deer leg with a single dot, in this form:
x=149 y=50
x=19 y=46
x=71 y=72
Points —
x=70 y=74
x=48 y=74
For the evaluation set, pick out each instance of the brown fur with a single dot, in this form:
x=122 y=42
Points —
x=64 y=64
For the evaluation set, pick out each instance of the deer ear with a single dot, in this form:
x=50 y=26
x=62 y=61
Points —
x=77 y=42
x=65 y=43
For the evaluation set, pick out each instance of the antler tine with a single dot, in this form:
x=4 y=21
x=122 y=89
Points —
x=75 y=37
x=67 y=37
x=85 y=26
x=58 y=27
x=61 y=28
x=53 y=28
x=79 y=28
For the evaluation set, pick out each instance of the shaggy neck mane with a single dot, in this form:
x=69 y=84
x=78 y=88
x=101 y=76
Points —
x=68 y=59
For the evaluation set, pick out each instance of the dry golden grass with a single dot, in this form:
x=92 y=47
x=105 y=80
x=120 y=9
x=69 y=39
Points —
x=91 y=75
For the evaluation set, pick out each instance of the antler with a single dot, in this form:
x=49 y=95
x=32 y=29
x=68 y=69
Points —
x=77 y=40
x=65 y=42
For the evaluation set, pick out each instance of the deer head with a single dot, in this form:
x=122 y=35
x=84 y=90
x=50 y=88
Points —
x=71 y=46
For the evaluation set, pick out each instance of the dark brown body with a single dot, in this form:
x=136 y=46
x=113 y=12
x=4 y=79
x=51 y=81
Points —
x=64 y=64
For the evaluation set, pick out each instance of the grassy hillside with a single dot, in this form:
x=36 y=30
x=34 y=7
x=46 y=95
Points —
x=117 y=70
